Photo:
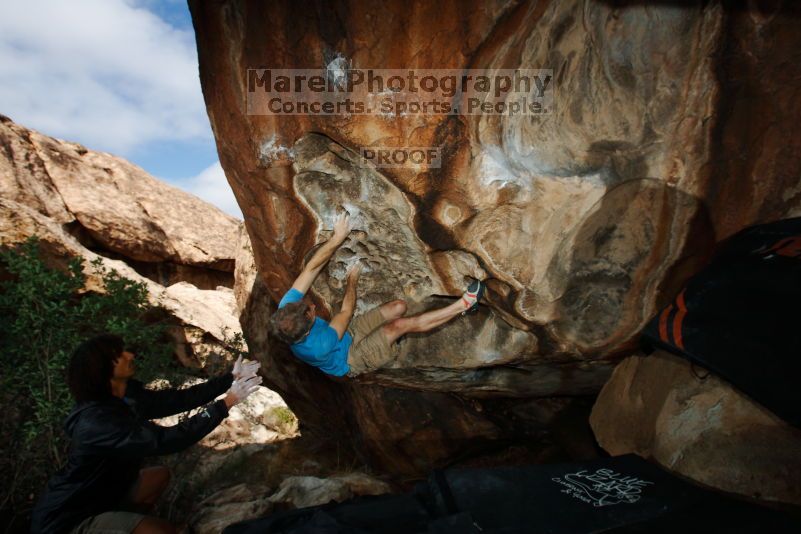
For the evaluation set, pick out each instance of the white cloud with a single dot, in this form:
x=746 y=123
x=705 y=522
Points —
x=110 y=74
x=212 y=186
x=107 y=73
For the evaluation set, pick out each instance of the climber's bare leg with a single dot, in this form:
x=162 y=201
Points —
x=392 y=310
x=422 y=323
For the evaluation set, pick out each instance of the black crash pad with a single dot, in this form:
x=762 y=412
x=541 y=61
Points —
x=624 y=494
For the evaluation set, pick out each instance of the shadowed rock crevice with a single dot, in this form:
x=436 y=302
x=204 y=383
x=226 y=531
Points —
x=165 y=273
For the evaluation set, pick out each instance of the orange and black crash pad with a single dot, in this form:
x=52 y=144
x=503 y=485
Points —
x=740 y=317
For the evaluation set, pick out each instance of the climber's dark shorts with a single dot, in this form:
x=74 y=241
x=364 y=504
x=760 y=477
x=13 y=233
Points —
x=370 y=348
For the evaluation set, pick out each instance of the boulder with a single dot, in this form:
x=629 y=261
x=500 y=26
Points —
x=673 y=127
x=248 y=501
x=304 y=491
x=95 y=205
x=205 y=319
x=228 y=506
x=397 y=266
x=117 y=208
x=233 y=471
x=261 y=419
x=697 y=425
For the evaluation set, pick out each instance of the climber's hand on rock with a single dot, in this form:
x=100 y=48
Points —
x=342 y=227
x=242 y=389
x=354 y=272
x=245 y=368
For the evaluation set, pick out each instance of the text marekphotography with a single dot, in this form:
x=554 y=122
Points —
x=395 y=93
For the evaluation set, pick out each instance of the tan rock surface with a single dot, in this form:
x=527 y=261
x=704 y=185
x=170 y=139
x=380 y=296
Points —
x=701 y=428
x=81 y=203
x=207 y=317
x=213 y=311
x=122 y=208
x=397 y=266
x=245 y=271
x=304 y=491
x=227 y=506
x=250 y=423
x=580 y=214
x=19 y=222
x=247 y=501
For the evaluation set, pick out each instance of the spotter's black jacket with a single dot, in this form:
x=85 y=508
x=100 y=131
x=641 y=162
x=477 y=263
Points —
x=109 y=439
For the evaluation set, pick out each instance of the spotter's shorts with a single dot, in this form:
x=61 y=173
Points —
x=109 y=523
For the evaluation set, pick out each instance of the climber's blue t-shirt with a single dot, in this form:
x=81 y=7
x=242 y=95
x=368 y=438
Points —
x=321 y=347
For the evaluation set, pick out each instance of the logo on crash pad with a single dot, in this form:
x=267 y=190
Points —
x=604 y=487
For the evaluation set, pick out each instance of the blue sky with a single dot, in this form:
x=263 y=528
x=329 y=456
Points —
x=119 y=76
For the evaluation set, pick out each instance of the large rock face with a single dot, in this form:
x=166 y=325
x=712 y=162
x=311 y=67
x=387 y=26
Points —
x=114 y=207
x=696 y=424
x=674 y=126
x=94 y=205
x=205 y=319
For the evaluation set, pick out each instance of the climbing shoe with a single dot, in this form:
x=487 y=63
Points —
x=471 y=297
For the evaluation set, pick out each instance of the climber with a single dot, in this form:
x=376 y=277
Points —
x=102 y=487
x=344 y=347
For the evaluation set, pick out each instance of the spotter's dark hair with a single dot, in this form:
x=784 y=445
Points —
x=92 y=366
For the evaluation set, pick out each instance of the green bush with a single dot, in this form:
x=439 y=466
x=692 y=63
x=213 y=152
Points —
x=45 y=313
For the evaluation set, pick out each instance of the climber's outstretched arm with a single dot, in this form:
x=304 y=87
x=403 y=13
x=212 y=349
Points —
x=341 y=320
x=313 y=267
